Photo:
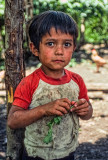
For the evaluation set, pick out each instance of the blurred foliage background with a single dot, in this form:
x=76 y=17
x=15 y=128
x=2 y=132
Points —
x=91 y=17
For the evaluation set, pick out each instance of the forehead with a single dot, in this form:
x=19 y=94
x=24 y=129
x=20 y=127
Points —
x=53 y=33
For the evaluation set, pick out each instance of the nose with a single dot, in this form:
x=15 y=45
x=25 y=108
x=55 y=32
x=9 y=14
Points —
x=59 y=50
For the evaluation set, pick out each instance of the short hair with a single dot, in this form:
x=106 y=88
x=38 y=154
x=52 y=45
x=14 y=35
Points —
x=42 y=23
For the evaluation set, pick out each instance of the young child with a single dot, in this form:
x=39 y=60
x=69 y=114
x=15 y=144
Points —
x=50 y=91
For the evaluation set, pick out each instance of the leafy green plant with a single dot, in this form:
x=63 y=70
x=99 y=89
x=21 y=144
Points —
x=2 y=7
x=48 y=137
x=2 y=30
x=2 y=66
x=50 y=124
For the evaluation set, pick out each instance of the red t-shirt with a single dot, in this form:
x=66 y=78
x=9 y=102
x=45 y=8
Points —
x=28 y=85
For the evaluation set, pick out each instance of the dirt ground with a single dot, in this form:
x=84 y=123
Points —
x=93 y=134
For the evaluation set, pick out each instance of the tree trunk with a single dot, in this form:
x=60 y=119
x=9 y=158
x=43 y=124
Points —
x=82 y=36
x=15 y=70
x=82 y=30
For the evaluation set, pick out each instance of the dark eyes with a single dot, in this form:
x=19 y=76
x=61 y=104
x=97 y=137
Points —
x=51 y=44
x=67 y=44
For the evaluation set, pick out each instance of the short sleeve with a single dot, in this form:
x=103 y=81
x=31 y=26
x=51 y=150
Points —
x=24 y=91
x=83 y=90
x=82 y=87
x=22 y=94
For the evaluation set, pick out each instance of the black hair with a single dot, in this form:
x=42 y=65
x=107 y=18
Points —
x=42 y=23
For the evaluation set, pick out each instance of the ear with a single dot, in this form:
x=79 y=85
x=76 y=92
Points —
x=74 y=48
x=33 y=49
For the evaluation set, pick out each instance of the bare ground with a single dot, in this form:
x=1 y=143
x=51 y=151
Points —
x=93 y=134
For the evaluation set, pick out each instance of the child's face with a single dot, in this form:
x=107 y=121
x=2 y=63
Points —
x=55 y=50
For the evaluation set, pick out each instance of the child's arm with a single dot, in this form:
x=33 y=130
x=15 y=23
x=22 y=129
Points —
x=19 y=117
x=83 y=109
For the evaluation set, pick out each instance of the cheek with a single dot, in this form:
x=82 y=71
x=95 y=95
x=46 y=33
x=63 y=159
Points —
x=45 y=51
x=68 y=56
x=44 y=57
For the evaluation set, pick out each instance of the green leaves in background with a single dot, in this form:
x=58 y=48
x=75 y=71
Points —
x=2 y=7
x=90 y=15
x=93 y=13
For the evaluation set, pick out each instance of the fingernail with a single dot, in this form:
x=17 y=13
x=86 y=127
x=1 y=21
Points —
x=75 y=105
x=71 y=110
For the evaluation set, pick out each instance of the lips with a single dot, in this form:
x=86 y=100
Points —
x=58 y=60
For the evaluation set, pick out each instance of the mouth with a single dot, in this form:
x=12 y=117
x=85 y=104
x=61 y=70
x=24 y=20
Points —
x=58 y=61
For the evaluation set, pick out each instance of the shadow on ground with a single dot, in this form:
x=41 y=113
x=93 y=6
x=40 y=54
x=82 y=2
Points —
x=96 y=151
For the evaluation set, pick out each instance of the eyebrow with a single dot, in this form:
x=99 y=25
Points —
x=57 y=39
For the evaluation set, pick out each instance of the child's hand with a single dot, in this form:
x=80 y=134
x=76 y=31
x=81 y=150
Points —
x=82 y=108
x=57 y=107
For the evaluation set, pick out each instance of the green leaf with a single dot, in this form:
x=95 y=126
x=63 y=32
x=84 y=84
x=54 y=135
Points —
x=57 y=120
x=48 y=137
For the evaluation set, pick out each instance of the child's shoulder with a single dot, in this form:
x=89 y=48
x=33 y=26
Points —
x=76 y=78
x=31 y=78
x=74 y=75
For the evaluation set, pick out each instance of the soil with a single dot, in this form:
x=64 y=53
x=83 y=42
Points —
x=93 y=134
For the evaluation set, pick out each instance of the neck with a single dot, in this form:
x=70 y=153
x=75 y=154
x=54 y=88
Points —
x=54 y=73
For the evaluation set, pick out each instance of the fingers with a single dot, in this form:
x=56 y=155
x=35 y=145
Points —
x=57 y=107
x=62 y=106
x=65 y=103
x=80 y=102
x=81 y=107
x=82 y=112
